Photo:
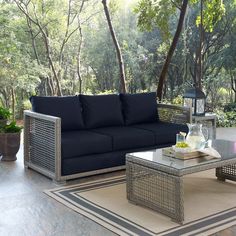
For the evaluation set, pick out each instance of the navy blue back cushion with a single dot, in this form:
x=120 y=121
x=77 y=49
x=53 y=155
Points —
x=101 y=110
x=139 y=108
x=67 y=108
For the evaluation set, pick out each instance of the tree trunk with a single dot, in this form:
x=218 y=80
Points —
x=21 y=111
x=48 y=51
x=5 y=100
x=234 y=97
x=1 y=101
x=13 y=99
x=197 y=69
x=199 y=84
x=117 y=46
x=33 y=40
x=79 y=57
x=43 y=31
x=233 y=84
x=185 y=39
x=171 y=50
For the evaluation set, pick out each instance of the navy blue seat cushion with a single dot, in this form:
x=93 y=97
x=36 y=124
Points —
x=139 y=108
x=67 y=108
x=101 y=110
x=83 y=142
x=97 y=161
x=124 y=137
x=92 y=162
x=164 y=132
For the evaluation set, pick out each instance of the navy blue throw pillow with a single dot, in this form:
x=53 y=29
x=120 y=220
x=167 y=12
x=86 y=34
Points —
x=139 y=108
x=101 y=110
x=67 y=108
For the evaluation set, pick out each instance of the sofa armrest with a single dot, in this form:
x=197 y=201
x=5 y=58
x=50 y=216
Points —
x=42 y=144
x=174 y=113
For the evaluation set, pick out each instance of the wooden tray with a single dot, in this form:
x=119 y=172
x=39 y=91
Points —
x=169 y=151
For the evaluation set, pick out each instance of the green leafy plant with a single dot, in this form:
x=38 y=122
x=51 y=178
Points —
x=230 y=107
x=226 y=119
x=178 y=100
x=4 y=113
x=11 y=128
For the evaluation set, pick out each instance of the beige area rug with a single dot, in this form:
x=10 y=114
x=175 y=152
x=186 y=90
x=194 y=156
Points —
x=210 y=206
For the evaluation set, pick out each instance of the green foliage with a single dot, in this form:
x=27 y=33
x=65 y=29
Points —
x=164 y=15
x=27 y=105
x=11 y=128
x=178 y=100
x=153 y=14
x=226 y=119
x=144 y=52
x=231 y=107
x=212 y=14
x=107 y=92
x=17 y=71
x=4 y=113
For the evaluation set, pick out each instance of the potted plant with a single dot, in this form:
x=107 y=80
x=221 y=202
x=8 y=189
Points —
x=9 y=141
x=4 y=116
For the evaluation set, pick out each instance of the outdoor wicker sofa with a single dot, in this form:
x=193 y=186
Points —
x=75 y=136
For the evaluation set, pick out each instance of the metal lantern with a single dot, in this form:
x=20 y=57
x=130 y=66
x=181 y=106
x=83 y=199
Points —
x=196 y=99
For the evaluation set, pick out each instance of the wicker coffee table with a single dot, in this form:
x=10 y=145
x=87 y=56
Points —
x=156 y=181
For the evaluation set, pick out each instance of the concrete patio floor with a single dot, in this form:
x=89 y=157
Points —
x=26 y=211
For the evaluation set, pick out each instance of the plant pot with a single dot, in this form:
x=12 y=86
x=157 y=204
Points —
x=9 y=145
x=3 y=122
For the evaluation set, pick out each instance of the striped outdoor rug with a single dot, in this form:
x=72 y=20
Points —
x=210 y=206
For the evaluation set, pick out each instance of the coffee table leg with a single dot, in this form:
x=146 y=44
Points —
x=226 y=172
x=179 y=200
x=219 y=174
x=157 y=190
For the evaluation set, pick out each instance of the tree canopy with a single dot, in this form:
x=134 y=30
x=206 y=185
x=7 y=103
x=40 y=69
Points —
x=65 y=47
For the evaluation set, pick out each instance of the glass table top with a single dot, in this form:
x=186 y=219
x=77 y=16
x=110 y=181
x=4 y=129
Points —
x=227 y=150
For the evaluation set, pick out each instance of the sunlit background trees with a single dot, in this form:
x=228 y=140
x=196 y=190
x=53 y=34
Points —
x=65 y=47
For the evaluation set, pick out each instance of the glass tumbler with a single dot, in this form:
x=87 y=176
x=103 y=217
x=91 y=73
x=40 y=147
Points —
x=180 y=138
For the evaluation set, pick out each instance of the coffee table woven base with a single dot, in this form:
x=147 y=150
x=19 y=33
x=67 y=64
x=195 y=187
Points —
x=157 y=190
x=156 y=181
x=226 y=172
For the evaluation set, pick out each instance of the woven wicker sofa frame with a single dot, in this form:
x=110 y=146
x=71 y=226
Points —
x=42 y=141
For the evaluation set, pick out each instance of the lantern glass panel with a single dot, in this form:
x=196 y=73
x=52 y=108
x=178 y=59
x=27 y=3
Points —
x=200 y=109
x=188 y=102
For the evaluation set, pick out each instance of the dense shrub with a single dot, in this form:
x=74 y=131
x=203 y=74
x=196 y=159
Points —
x=178 y=100
x=226 y=119
x=230 y=107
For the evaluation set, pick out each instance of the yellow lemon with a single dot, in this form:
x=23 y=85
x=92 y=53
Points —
x=182 y=145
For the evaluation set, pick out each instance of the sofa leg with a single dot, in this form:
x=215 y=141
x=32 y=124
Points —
x=26 y=166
